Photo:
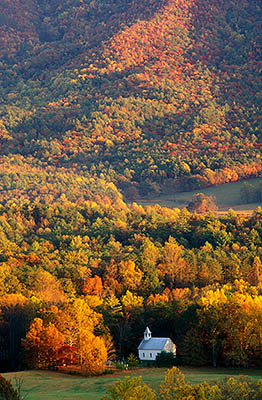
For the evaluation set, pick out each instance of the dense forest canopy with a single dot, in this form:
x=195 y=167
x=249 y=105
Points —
x=152 y=94
x=80 y=280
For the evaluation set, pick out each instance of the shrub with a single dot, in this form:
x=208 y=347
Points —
x=241 y=388
x=175 y=387
x=129 y=389
x=165 y=359
x=132 y=361
x=7 y=392
x=121 y=365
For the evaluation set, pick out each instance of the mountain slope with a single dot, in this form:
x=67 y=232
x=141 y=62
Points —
x=152 y=95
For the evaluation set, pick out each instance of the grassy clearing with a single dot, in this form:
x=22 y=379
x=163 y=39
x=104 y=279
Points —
x=47 y=385
x=227 y=196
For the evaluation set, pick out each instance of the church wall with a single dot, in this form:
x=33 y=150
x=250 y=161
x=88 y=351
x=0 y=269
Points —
x=148 y=355
x=170 y=347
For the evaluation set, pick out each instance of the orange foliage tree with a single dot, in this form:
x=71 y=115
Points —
x=43 y=344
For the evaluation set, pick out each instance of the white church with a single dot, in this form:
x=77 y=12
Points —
x=151 y=346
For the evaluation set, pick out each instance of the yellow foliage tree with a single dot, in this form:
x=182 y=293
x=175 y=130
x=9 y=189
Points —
x=211 y=316
x=131 y=301
x=131 y=275
x=94 y=354
x=172 y=266
x=48 y=288
x=175 y=387
x=129 y=389
x=78 y=321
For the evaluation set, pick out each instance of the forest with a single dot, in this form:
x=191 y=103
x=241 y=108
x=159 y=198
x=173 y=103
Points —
x=153 y=95
x=99 y=272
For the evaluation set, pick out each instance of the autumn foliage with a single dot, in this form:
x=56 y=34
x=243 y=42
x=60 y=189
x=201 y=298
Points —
x=106 y=101
x=109 y=270
x=43 y=344
x=150 y=95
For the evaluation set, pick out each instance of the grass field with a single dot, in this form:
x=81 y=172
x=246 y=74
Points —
x=227 y=196
x=47 y=385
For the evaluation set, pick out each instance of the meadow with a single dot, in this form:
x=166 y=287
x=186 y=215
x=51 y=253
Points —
x=42 y=385
x=226 y=196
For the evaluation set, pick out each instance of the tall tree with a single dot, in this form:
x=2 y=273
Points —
x=43 y=345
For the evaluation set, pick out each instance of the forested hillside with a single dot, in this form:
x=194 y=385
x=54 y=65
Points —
x=149 y=95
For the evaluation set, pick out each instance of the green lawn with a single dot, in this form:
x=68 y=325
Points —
x=46 y=385
x=227 y=196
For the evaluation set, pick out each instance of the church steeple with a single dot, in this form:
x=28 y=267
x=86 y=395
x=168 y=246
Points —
x=147 y=334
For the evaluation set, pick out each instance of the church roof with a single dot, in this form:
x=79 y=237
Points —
x=153 y=343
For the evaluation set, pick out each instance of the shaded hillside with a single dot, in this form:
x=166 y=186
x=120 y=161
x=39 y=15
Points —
x=152 y=95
